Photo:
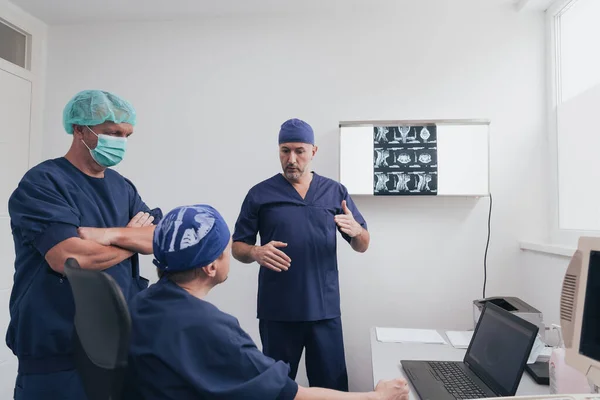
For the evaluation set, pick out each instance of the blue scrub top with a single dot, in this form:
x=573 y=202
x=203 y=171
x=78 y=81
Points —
x=52 y=200
x=186 y=348
x=309 y=290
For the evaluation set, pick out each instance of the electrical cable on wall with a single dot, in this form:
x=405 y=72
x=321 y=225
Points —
x=487 y=246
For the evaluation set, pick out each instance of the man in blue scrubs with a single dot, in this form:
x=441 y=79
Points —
x=297 y=214
x=72 y=206
x=185 y=348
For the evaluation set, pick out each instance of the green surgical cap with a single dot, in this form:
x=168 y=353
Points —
x=94 y=107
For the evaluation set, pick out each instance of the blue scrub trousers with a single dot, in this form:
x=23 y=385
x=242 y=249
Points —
x=324 y=343
x=63 y=385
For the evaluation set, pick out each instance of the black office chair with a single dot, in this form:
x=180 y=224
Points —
x=102 y=332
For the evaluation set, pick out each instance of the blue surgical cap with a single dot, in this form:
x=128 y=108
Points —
x=189 y=237
x=296 y=131
x=94 y=107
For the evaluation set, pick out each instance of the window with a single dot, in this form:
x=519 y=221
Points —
x=575 y=33
x=13 y=45
x=579 y=51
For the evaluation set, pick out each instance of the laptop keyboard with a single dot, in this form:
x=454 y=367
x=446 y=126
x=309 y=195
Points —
x=456 y=382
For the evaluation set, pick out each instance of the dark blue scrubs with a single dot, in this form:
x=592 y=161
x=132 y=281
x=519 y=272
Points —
x=184 y=348
x=300 y=308
x=52 y=200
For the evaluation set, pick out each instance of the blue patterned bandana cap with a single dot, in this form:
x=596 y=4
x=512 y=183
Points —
x=189 y=237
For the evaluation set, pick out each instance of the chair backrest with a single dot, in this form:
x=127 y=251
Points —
x=102 y=331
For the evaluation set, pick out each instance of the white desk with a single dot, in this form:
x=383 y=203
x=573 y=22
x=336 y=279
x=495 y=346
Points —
x=385 y=359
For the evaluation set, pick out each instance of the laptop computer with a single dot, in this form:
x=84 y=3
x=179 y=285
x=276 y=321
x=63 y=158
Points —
x=492 y=367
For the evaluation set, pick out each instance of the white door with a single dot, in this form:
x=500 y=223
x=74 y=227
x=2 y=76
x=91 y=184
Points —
x=15 y=117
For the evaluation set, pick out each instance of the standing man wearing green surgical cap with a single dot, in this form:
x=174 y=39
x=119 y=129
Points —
x=72 y=206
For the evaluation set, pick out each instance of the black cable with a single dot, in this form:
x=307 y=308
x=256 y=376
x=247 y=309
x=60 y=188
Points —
x=487 y=247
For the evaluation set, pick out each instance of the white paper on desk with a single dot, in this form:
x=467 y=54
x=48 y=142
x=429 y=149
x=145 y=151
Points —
x=545 y=354
x=399 y=335
x=536 y=350
x=460 y=339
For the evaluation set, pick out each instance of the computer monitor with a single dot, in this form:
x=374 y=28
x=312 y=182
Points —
x=580 y=309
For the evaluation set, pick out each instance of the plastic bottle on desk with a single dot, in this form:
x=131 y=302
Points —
x=564 y=378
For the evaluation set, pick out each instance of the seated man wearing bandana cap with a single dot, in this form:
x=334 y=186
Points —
x=72 y=206
x=298 y=214
x=185 y=348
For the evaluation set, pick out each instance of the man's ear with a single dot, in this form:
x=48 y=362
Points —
x=314 y=150
x=78 y=129
x=210 y=270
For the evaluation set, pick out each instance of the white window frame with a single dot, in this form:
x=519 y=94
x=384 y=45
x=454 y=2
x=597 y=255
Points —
x=557 y=235
x=28 y=39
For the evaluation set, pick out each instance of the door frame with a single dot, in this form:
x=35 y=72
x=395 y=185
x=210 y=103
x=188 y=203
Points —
x=37 y=35
x=35 y=73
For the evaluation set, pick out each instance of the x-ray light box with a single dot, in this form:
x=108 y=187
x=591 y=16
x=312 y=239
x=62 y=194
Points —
x=415 y=158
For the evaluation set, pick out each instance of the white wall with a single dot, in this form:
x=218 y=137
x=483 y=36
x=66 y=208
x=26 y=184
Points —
x=212 y=93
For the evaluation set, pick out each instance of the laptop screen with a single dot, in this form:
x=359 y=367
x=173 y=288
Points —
x=499 y=349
